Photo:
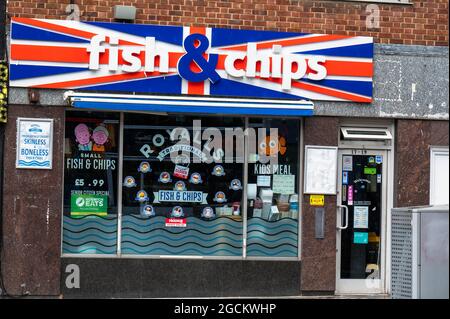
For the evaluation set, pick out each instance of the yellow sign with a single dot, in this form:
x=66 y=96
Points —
x=317 y=200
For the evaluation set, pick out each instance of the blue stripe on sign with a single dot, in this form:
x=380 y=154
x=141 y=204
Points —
x=233 y=88
x=192 y=109
x=165 y=85
x=222 y=37
x=353 y=51
x=168 y=34
x=356 y=87
x=22 y=32
x=18 y=72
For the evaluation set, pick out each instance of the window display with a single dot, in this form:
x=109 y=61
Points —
x=181 y=186
x=90 y=183
x=273 y=209
x=174 y=203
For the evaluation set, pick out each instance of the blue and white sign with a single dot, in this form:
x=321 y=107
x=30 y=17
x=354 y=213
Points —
x=344 y=178
x=378 y=159
x=34 y=143
x=180 y=196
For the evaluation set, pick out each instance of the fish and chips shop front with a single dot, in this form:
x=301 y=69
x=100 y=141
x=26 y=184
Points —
x=172 y=161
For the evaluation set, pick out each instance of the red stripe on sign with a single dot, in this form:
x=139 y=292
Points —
x=98 y=80
x=49 y=53
x=324 y=91
x=64 y=30
x=331 y=92
x=196 y=87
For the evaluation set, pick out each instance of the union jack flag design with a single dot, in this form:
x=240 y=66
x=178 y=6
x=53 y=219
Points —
x=53 y=54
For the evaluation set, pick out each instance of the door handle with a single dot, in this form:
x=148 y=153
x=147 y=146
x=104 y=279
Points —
x=346 y=217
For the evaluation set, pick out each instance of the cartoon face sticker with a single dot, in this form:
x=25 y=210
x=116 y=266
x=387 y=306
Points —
x=196 y=178
x=144 y=167
x=164 y=177
x=177 y=212
x=220 y=197
x=141 y=196
x=129 y=181
x=147 y=211
x=179 y=186
x=208 y=213
x=83 y=137
x=235 y=185
x=100 y=135
x=271 y=147
x=218 y=170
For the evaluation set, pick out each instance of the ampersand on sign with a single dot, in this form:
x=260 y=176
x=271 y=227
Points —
x=195 y=53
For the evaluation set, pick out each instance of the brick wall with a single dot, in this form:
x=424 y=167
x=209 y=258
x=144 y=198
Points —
x=423 y=23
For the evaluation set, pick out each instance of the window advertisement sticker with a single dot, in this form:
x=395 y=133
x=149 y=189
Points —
x=263 y=180
x=370 y=170
x=344 y=178
x=360 y=238
x=361 y=217
x=350 y=195
x=181 y=172
x=378 y=159
x=82 y=205
x=347 y=163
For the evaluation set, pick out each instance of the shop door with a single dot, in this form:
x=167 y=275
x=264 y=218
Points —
x=361 y=220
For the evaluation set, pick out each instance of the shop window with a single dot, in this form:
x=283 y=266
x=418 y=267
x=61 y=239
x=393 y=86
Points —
x=182 y=184
x=273 y=209
x=90 y=183
x=174 y=201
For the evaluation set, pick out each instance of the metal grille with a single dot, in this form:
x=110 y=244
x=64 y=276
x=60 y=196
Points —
x=401 y=255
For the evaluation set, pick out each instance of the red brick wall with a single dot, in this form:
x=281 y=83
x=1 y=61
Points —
x=424 y=23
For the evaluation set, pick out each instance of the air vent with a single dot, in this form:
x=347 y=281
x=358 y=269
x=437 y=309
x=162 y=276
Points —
x=359 y=133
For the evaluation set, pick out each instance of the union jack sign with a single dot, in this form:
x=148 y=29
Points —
x=98 y=56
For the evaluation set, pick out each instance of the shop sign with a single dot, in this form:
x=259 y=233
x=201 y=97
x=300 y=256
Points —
x=34 y=143
x=64 y=54
x=81 y=205
x=180 y=196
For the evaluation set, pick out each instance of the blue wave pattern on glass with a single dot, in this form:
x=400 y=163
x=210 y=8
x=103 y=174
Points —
x=150 y=236
x=89 y=235
x=272 y=239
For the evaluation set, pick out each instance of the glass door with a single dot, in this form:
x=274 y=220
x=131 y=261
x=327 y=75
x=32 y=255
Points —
x=361 y=222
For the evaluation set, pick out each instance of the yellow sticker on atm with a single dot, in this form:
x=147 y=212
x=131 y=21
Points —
x=317 y=200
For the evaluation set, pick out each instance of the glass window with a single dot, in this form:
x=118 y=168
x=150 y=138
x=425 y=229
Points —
x=180 y=196
x=182 y=185
x=90 y=183
x=273 y=176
